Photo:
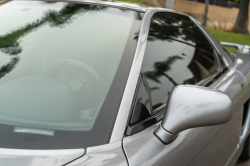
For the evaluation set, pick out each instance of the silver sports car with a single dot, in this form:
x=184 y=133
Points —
x=93 y=83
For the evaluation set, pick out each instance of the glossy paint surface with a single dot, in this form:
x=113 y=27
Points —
x=221 y=148
x=145 y=148
x=195 y=106
x=240 y=47
x=106 y=155
x=242 y=65
x=229 y=141
x=14 y=157
x=185 y=149
x=164 y=136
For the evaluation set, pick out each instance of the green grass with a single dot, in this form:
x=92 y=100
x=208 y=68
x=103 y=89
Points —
x=131 y=1
x=230 y=37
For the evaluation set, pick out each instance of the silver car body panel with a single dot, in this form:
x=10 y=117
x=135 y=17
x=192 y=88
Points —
x=193 y=106
x=240 y=47
x=197 y=146
x=221 y=150
x=105 y=155
x=243 y=65
x=14 y=157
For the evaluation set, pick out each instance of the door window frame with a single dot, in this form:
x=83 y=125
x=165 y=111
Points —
x=158 y=116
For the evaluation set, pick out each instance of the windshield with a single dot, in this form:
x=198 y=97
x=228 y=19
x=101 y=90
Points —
x=60 y=63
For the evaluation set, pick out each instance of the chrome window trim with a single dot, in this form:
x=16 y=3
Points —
x=235 y=45
x=225 y=59
x=234 y=61
x=217 y=53
x=209 y=39
x=127 y=99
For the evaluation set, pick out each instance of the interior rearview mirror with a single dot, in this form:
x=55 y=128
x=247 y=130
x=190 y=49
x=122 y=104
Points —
x=193 y=106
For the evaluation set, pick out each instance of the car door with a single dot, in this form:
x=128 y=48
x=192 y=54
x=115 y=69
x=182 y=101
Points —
x=179 y=52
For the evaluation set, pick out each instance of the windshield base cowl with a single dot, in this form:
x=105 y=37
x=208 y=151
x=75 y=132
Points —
x=16 y=157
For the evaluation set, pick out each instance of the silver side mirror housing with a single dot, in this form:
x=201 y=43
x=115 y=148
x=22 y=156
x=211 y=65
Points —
x=191 y=106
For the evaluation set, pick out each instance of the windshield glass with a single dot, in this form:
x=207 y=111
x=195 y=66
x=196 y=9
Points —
x=58 y=66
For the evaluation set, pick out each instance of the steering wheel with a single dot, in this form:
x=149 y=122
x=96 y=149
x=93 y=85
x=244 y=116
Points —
x=84 y=81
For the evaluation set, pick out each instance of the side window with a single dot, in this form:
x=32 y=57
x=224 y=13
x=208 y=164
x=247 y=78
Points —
x=177 y=52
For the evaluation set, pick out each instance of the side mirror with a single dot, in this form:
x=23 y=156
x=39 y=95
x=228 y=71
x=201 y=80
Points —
x=193 y=106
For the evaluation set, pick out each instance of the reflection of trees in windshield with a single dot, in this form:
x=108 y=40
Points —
x=10 y=43
x=180 y=34
x=160 y=69
x=189 y=81
x=138 y=15
x=175 y=27
x=9 y=66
